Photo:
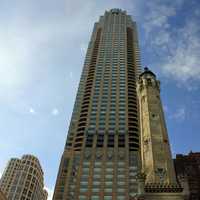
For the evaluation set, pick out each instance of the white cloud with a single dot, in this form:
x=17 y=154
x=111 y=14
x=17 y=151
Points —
x=179 y=115
x=83 y=48
x=71 y=75
x=158 y=15
x=26 y=43
x=197 y=12
x=29 y=31
x=50 y=193
x=183 y=63
x=177 y=47
x=162 y=38
x=32 y=111
x=55 y=112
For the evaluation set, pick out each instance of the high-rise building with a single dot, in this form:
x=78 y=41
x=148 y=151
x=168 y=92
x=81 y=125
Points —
x=190 y=166
x=102 y=156
x=23 y=179
x=101 y=152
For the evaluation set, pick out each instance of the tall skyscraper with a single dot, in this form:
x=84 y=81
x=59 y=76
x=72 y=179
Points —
x=23 y=179
x=101 y=153
x=102 y=156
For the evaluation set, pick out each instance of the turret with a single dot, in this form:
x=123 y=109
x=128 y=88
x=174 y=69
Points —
x=156 y=156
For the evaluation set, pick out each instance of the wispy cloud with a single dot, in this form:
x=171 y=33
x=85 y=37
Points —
x=71 y=75
x=177 y=47
x=55 y=112
x=183 y=62
x=25 y=44
x=179 y=114
x=83 y=48
x=158 y=15
x=32 y=111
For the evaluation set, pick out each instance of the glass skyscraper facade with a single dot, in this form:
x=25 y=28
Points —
x=101 y=155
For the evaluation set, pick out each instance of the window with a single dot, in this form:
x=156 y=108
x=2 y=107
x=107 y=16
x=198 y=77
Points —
x=94 y=197
x=96 y=176
x=121 y=189
x=83 y=189
x=109 y=183
x=83 y=183
x=82 y=197
x=85 y=170
x=107 y=197
x=86 y=163
x=121 y=197
x=95 y=189
x=97 y=170
x=96 y=183
x=109 y=176
x=108 y=189
x=121 y=176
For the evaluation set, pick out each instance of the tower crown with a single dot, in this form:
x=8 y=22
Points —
x=147 y=72
x=146 y=79
x=115 y=10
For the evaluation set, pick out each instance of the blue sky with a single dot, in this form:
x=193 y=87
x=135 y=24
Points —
x=43 y=44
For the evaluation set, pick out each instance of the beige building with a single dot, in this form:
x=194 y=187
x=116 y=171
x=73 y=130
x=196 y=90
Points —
x=157 y=164
x=23 y=179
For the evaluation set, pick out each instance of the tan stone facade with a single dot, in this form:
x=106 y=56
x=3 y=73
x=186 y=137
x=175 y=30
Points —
x=23 y=179
x=157 y=164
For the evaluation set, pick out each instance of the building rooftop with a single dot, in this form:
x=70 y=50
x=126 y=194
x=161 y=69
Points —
x=147 y=71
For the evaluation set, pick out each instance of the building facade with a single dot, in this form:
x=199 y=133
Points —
x=103 y=157
x=190 y=166
x=23 y=179
x=156 y=159
x=2 y=195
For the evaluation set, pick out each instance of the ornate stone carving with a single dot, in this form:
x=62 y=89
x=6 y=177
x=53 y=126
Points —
x=141 y=176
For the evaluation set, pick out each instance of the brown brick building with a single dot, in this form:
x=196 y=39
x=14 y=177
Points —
x=190 y=165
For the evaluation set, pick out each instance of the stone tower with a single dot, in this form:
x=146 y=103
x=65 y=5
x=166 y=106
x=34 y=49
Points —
x=157 y=163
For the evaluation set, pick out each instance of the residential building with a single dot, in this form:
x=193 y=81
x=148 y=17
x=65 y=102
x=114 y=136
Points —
x=23 y=179
x=101 y=155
